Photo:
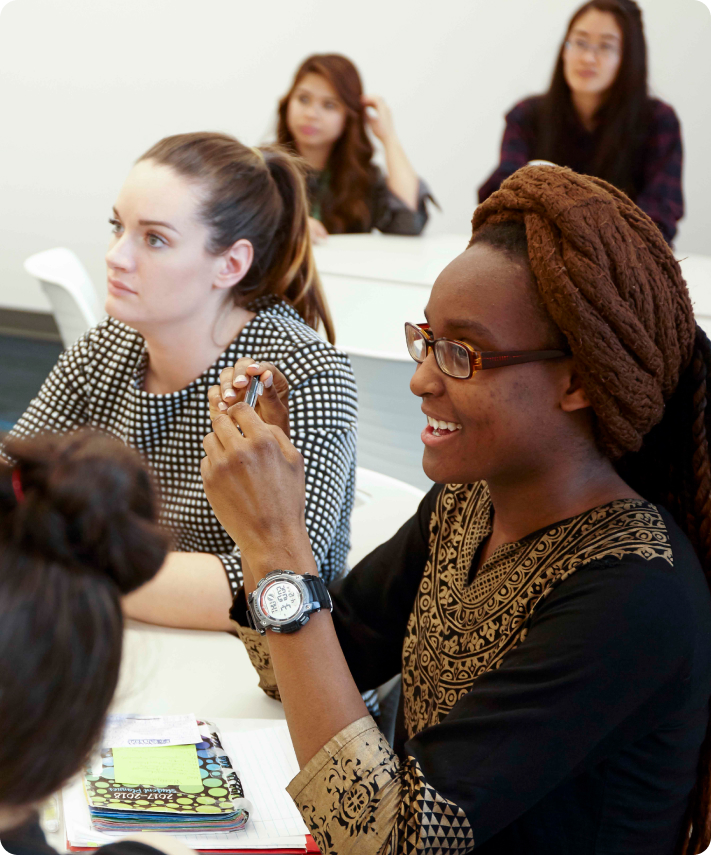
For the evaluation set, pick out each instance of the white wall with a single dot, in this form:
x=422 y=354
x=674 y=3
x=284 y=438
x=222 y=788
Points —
x=87 y=85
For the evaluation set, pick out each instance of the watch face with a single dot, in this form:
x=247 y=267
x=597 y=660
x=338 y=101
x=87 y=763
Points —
x=281 y=600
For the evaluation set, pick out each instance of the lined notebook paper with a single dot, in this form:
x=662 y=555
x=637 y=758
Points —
x=264 y=757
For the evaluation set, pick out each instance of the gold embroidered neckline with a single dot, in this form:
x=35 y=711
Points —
x=458 y=631
x=485 y=511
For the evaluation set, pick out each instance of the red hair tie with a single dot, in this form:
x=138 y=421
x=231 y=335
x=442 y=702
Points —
x=17 y=486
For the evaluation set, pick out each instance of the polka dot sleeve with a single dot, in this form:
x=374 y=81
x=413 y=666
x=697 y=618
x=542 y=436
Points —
x=62 y=403
x=323 y=417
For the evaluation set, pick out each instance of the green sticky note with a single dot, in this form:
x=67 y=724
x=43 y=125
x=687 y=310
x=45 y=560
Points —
x=160 y=766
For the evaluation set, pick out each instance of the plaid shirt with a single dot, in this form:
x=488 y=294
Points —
x=658 y=186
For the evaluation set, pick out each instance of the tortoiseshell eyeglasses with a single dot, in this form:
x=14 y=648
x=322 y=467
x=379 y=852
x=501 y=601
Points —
x=459 y=359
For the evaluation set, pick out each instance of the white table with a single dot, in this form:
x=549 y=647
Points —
x=168 y=671
x=374 y=283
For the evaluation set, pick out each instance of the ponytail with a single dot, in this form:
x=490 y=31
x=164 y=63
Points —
x=293 y=273
x=258 y=195
x=78 y=528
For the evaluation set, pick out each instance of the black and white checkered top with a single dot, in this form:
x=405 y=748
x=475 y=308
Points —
x=98 y=382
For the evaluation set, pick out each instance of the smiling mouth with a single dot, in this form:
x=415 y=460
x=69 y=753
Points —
x=440 y=428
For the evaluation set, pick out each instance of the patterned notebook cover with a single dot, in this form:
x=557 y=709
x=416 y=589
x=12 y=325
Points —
x=217 y=803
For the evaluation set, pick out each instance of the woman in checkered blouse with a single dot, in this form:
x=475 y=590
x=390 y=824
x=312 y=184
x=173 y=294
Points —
x=210 y=261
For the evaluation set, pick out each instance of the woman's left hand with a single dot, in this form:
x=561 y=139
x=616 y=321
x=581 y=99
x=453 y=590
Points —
x=254 y=481
x=382 y=123
x=272 y=403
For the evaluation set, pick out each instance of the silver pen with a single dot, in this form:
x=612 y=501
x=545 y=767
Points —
x=254 y=390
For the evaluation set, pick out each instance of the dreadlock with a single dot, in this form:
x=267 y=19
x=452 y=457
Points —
x=611 y=286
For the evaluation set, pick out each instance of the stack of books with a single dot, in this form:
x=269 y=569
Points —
x=180 y=788
x=188 y=779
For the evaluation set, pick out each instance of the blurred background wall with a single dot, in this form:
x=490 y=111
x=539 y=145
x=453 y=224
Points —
x=87 y=85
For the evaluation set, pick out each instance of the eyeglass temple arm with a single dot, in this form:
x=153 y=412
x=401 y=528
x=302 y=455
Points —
x=493 y=359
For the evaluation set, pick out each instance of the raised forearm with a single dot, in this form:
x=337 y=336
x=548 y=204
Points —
x=254 y=479
x=316 y=688
x=315 y=685
x=402 y=179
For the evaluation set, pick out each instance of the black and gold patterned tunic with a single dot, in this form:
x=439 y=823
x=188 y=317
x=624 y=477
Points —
x=554 y=700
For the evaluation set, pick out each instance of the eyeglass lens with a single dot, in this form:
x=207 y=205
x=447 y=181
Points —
x=581 y=46
x=415 y=343
x=451 y=357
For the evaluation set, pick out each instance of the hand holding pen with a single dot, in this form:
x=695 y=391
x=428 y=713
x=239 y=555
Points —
x=253 y=475
x=259 y=384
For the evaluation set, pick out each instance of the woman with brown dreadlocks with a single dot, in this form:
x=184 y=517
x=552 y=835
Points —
x=548 y=605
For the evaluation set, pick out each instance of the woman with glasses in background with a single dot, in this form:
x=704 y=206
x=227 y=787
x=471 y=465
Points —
x=597 y=117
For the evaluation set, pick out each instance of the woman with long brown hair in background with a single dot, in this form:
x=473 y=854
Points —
x=598 y=118
x=210 y=261
x=324 y=118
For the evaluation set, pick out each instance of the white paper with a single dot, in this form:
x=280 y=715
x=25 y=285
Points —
x=265 y=763
x=130 y=731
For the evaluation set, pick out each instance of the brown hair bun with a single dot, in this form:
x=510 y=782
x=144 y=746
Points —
x=89 y=507
x=78 y=527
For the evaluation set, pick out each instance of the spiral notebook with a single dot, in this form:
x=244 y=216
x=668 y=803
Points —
x=263 y=760
x=178 y=787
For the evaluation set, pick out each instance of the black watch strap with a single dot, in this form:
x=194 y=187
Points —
x=319 y=590
x=239 y=612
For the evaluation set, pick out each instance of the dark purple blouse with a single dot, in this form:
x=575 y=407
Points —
x=658 y=184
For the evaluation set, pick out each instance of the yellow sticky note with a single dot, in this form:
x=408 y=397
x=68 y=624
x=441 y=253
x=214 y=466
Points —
x=159 y=766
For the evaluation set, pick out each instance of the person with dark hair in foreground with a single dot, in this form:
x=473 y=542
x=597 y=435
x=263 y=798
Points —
x=324 y=118
x=548 y=606
x=597 y=116
x=78 y=529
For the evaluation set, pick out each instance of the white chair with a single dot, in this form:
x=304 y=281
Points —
x=390 y=420
x=382 y=505
x=69 y=289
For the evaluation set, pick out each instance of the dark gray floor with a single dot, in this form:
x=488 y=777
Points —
x=24 y=364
